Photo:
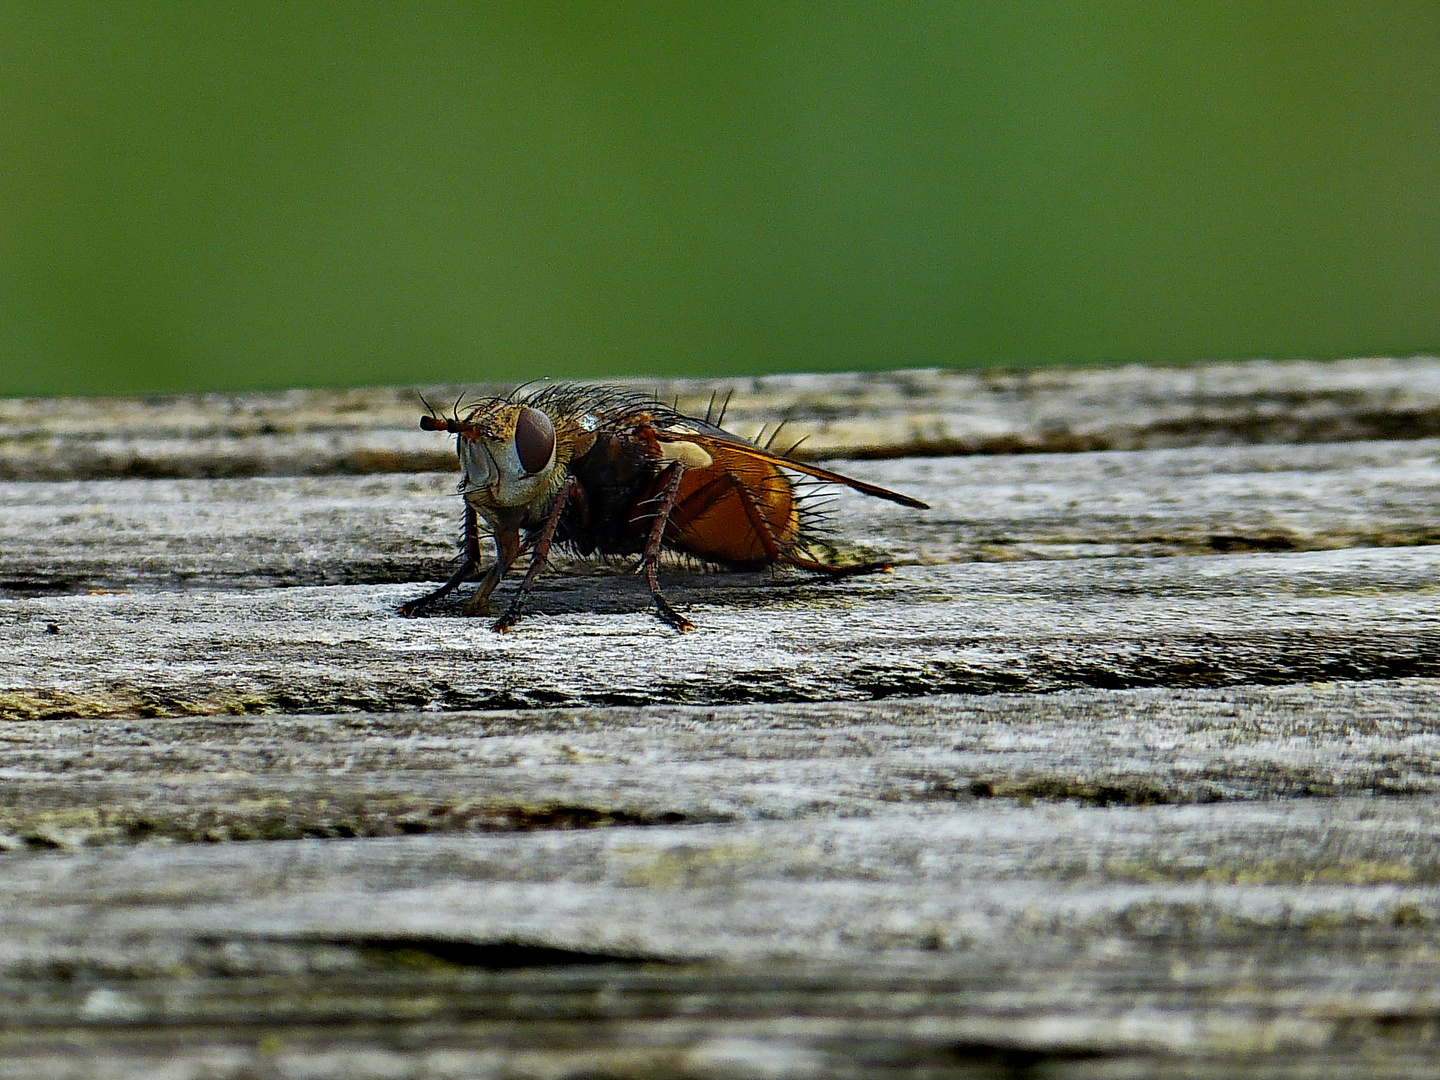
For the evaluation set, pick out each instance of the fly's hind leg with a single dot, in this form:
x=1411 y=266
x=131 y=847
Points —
x=652 y=550
x=469 y=563
x=830 y=572
x=772 y=546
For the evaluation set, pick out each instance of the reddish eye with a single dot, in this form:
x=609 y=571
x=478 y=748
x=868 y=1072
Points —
x=534 y=440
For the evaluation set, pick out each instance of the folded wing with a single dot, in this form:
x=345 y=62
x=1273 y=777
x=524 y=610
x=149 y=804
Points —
x=711 y=441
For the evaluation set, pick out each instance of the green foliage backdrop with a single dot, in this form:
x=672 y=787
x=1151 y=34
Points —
x=224 y=195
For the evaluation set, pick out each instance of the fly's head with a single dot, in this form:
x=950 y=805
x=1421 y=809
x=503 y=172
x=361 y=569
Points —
x=512 y=457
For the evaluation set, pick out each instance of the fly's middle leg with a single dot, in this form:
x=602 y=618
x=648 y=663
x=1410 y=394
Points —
x=537 y=559
x=507 y=550
x=652 y=549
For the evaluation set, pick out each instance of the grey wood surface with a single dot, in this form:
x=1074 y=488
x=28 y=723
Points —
x=304 y=432
x=1128 y=769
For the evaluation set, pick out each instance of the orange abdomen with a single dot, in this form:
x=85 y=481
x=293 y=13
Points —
x=711 y=519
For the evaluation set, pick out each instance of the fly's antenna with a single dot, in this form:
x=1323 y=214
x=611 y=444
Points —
x=454 y=427
x=432 y=421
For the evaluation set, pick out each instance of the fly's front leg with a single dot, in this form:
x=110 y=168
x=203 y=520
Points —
x=507 y=550
x=652 y=549
x=537 y=559
x=469 y=563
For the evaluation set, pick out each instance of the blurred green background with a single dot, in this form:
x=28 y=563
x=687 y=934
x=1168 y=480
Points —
x=208 y=195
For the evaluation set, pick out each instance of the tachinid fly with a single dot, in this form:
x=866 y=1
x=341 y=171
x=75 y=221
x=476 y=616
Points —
x=607 y=472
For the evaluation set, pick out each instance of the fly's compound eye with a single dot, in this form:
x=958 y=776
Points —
x=534 y=440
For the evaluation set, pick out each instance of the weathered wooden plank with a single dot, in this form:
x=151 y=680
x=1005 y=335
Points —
x=767 y=1020
x=1108 y=936
x=186 y=534
x=980 y=881
x=1034 y=626
x=938 y=836
x=885 y=414
x=73 y=783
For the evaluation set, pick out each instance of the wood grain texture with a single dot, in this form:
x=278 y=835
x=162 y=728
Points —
x=1128 y=769
x=212 y=778
x=1039 y=626
x=878 y=414
x=69 y=537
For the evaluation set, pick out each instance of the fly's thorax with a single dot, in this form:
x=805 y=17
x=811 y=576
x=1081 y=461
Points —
x=513 y=456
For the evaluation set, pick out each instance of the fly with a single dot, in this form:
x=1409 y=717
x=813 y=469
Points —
x=606 y=472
